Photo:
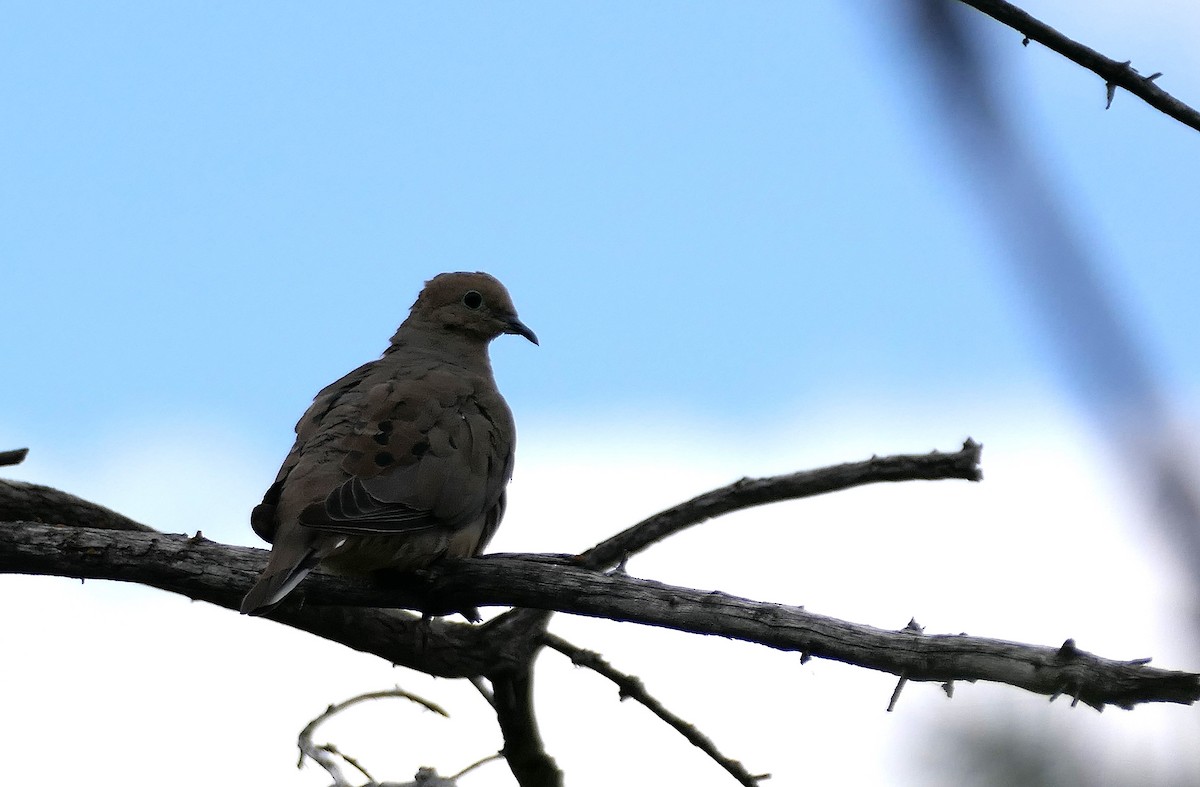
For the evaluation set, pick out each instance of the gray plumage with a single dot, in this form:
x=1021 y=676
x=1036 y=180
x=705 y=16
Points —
x=403 y=460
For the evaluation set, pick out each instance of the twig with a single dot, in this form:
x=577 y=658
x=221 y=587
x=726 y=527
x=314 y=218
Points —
x=324 y=755
x=14 y=457
x=896 y=693
x=631 y=686
x=1114 y=73
x=751 y=492
x=474 y=765
x=483 y=690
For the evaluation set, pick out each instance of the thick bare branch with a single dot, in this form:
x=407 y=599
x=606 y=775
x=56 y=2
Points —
x=751 y=492
x=1113 y=72
x=630 y=686
x=511 y=698
x=203 y=569
x=517 y=581
x=512 y=694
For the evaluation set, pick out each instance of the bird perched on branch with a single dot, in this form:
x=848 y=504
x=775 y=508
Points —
x=403 y=460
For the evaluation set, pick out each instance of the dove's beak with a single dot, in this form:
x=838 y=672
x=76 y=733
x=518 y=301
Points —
x=519 y=328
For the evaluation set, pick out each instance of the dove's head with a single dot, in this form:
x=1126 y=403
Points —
x=472 y=304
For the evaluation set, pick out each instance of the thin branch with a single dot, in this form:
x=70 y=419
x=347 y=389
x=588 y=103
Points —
x=630 y=686
x=751 y=492
x=1113 y=72
x=14 y=457
x=22 y=501
x=206 y=570
x=481 y=686
x=324 y=755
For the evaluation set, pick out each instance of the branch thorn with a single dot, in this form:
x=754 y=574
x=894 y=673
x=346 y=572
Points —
x=896 y=693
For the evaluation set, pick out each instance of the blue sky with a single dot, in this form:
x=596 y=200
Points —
x=740 y=237
x=740 y=211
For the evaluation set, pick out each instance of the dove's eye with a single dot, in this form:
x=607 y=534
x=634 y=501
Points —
x=472 y=300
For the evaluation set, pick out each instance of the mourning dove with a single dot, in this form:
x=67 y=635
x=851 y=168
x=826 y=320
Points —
x=403 y=460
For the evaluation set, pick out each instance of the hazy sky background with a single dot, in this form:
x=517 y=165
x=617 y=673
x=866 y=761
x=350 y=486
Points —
x=745 y=252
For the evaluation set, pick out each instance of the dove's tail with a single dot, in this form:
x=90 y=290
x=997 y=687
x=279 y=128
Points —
x=276 y=582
